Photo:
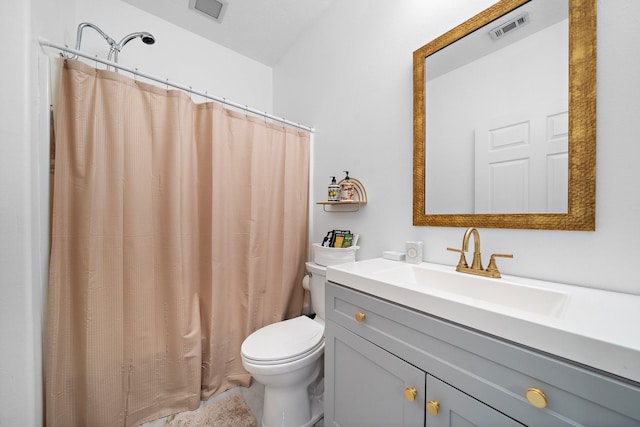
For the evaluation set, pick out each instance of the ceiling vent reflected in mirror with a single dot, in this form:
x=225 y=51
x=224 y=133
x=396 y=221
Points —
x=214 y=9
x=509 y=26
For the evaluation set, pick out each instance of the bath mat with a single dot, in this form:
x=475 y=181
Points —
x=230 y=411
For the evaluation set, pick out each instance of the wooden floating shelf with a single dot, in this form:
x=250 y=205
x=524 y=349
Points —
x=342 y=203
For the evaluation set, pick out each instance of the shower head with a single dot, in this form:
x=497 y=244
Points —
x=147 y=38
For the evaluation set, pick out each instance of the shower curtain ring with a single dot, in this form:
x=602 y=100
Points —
x=190 y=89
x=62 y=54
x=167 y=82
x=135 y=74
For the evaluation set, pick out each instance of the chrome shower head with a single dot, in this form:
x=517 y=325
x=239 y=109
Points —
x=147 y=38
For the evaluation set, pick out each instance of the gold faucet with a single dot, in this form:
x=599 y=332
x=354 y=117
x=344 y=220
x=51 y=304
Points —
x=476 y=265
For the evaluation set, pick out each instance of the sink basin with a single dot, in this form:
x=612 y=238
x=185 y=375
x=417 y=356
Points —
x=476 y=289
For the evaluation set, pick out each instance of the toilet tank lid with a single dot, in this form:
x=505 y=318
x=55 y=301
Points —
x=283 y=340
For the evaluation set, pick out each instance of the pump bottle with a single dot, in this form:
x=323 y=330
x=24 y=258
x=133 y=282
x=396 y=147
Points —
x=334 y=190
x=346 y=189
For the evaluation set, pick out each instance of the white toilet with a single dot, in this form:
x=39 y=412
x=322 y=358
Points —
x=286 y=357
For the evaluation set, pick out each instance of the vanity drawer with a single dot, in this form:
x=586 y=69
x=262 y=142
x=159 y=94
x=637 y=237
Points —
x=494 y=371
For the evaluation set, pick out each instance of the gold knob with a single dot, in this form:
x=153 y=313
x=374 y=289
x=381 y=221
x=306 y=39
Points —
x=360 y=317
x=433 y=407
x=536 y=397
x=410 y=393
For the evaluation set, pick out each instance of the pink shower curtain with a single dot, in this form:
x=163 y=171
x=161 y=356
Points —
x=178 y=229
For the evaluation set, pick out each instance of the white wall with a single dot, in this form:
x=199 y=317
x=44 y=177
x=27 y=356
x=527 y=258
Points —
x=19 y=325
x=350 y=76
x=24 y=156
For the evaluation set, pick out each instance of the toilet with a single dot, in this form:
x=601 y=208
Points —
x=286 y=357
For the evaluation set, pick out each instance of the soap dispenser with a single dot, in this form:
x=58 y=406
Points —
x=346 y=188
x=334 y=191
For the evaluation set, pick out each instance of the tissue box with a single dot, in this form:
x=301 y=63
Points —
x=331 y=256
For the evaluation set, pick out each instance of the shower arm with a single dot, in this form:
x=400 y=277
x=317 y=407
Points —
x=81 y=28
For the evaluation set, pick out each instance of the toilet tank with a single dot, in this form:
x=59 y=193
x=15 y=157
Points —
x=317 y=278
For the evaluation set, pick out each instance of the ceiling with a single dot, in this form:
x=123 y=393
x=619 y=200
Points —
x=260 y=29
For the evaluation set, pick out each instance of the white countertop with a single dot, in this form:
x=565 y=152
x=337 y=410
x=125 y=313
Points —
x=597 y=328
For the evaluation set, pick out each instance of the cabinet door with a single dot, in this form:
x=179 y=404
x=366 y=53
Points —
x=457 y=409
x=366 y=386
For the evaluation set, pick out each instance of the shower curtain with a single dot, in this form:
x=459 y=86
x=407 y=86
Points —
x=178 y=229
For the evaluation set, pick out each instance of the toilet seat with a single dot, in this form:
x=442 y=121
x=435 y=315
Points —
x=283 y=342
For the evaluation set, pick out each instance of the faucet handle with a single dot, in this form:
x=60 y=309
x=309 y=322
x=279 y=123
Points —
x=492 y=267
x=462 y=263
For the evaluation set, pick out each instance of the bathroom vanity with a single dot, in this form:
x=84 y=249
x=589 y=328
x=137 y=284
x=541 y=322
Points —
x=403 y=350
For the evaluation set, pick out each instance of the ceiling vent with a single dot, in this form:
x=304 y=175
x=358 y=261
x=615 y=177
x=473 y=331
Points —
x=509 y=26
x=214 y=9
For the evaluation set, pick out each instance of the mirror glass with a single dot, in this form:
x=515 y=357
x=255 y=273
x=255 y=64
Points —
x=499 y=131
x=496 y=114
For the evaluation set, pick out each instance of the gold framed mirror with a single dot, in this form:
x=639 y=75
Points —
x=579 y=211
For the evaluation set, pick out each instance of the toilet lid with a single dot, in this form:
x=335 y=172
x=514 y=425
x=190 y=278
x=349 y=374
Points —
x=283 y=341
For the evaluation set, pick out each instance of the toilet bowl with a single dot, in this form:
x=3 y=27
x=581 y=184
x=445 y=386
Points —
x=286 y=357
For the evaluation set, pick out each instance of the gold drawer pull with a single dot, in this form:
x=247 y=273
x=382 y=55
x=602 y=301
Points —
x=360 y=317
x=536 y=397
x=410 y=393
x=433 y=407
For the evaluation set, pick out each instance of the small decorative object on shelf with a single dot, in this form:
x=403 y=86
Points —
x=354 y=189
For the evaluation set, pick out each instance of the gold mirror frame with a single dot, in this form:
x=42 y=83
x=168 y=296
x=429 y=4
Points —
x=582 y=127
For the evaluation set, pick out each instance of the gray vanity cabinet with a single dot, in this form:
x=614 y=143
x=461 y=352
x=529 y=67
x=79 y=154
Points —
x=456 y=409
x=375 y=350
x=371 y=387
x=369 y=384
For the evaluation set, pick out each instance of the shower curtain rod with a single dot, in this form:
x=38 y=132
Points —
x=135 y=72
